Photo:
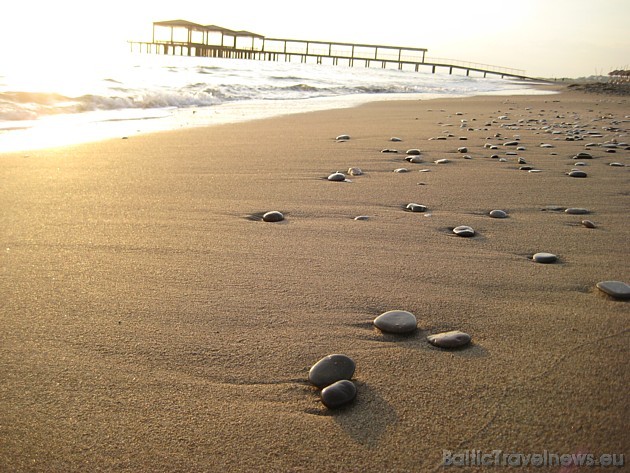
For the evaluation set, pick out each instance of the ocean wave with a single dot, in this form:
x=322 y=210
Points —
x=187 y=82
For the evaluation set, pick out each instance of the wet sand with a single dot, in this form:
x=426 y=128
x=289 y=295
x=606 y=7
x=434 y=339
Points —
x=152 y=322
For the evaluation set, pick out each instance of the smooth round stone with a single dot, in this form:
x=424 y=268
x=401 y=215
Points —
x=576 y=173
x=452 y=339
x=396 y=321
x=362 y=217
x=534 y=171
x=498 y=214
x=338 y=394
x=511 y=143
x=389 y=150
x=526 y=168
x=576 y=211
x=616 y=289
x=337 y=177
x=583 y=155
x=401 y=170
x=330 y=369
x=545 y=258
x=414 y=159
x=355 y=171
x=343 y=137
x=617 y=165
x=416 y=207
x=579 y=163
x=462 y=149
x=521 y=161
x=273 y=216
x=413 y=151
x=587 y=224
x=464 y=231
x=442 y=161
x=546 y=145
x=395 y=138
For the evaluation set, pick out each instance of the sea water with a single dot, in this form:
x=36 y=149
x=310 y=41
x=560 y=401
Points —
x=51 y=104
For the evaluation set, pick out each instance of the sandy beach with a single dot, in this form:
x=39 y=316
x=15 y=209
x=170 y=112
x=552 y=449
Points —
x=151 y=321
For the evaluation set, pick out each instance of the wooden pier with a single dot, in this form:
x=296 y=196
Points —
x=184 y=38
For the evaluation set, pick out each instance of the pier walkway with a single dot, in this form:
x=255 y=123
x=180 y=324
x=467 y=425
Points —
x=184 y=38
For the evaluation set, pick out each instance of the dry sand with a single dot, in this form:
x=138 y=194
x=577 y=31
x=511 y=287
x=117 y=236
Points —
x=149 y=324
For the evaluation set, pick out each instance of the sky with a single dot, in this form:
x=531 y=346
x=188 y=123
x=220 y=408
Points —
x=546 y=38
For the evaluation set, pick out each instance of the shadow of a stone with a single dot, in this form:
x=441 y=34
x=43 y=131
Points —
x=367 y=418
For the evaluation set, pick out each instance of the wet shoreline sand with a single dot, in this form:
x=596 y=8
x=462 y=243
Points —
x=153 y=322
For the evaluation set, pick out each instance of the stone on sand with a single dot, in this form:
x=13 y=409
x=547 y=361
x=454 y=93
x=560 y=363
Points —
x=337 y=177
x=338 y=394
x=273 y=216
x=452 y=339
x=416 y=207
x=616 y=289
x=498 y=214
x=545 y=258
x=330 y=369
x=464 y=231
x=396 y=321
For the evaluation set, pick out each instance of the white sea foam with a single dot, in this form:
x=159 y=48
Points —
x=143 y=93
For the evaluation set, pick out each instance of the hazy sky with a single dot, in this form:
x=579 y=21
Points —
x=551 y=38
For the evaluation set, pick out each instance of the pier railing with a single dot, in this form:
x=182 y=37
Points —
x=476 y=66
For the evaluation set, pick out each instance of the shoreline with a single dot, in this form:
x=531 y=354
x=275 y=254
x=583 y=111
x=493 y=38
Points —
x=67 y=130
x=153 y=322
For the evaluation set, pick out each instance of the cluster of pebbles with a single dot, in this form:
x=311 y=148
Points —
x=333 y=373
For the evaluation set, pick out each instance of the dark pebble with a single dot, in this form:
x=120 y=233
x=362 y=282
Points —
x=616 y=289
x=545 y=258
x=273 y=216
x=331 y=369
x=396 y=321
x=339 y=393
x=498 y=214
x=452 y=339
